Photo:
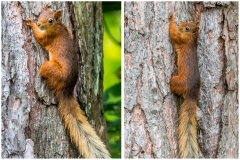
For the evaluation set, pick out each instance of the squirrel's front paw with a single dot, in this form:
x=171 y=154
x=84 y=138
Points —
x=171 y=15
x=29 y=21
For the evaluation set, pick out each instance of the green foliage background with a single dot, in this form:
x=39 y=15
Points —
x=112 y=74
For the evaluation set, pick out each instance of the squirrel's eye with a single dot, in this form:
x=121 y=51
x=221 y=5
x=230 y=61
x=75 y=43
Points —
x=50 y=20
x=187 y=29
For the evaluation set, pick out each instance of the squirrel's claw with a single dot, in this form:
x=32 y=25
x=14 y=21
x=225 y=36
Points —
x=29 y=21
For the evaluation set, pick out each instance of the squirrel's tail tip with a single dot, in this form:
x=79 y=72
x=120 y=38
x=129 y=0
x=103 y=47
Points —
x=94 y=147
x=80 y=131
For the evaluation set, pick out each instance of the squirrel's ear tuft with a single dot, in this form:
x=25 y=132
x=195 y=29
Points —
x=197 y=23
x=58 y=14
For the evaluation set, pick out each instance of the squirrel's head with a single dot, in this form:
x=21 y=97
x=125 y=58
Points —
x=49 y=18
x=189 y=29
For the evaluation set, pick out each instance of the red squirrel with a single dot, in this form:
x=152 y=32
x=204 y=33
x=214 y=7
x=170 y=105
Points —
x=186 y=84
x=61 y=74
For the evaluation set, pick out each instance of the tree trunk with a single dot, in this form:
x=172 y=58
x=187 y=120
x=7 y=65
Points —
x=150 y=108
x=31 y=126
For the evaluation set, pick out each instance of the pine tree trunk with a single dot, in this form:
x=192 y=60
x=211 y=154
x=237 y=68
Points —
x=150 y=108
x=31 y=126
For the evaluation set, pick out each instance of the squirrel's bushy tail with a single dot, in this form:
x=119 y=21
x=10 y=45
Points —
x=187 y=130
x=80 y=131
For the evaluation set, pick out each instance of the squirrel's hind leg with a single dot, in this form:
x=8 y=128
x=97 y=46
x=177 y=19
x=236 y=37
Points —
x=178 y=86
x=53 y=73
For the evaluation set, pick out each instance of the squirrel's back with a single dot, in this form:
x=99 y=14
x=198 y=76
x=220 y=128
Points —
x=185 y=42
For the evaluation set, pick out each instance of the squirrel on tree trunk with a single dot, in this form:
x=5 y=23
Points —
x=61 y=74
x=186 y=84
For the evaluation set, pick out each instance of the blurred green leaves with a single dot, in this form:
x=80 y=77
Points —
x=111 y=47
x=112 y=74
x=112 y=111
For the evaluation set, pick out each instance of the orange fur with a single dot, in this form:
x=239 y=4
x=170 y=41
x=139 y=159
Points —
x=186 y=84
x=61 y=73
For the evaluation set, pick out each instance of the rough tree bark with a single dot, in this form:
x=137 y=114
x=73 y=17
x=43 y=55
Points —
x=150 y=108
x=31 y=126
